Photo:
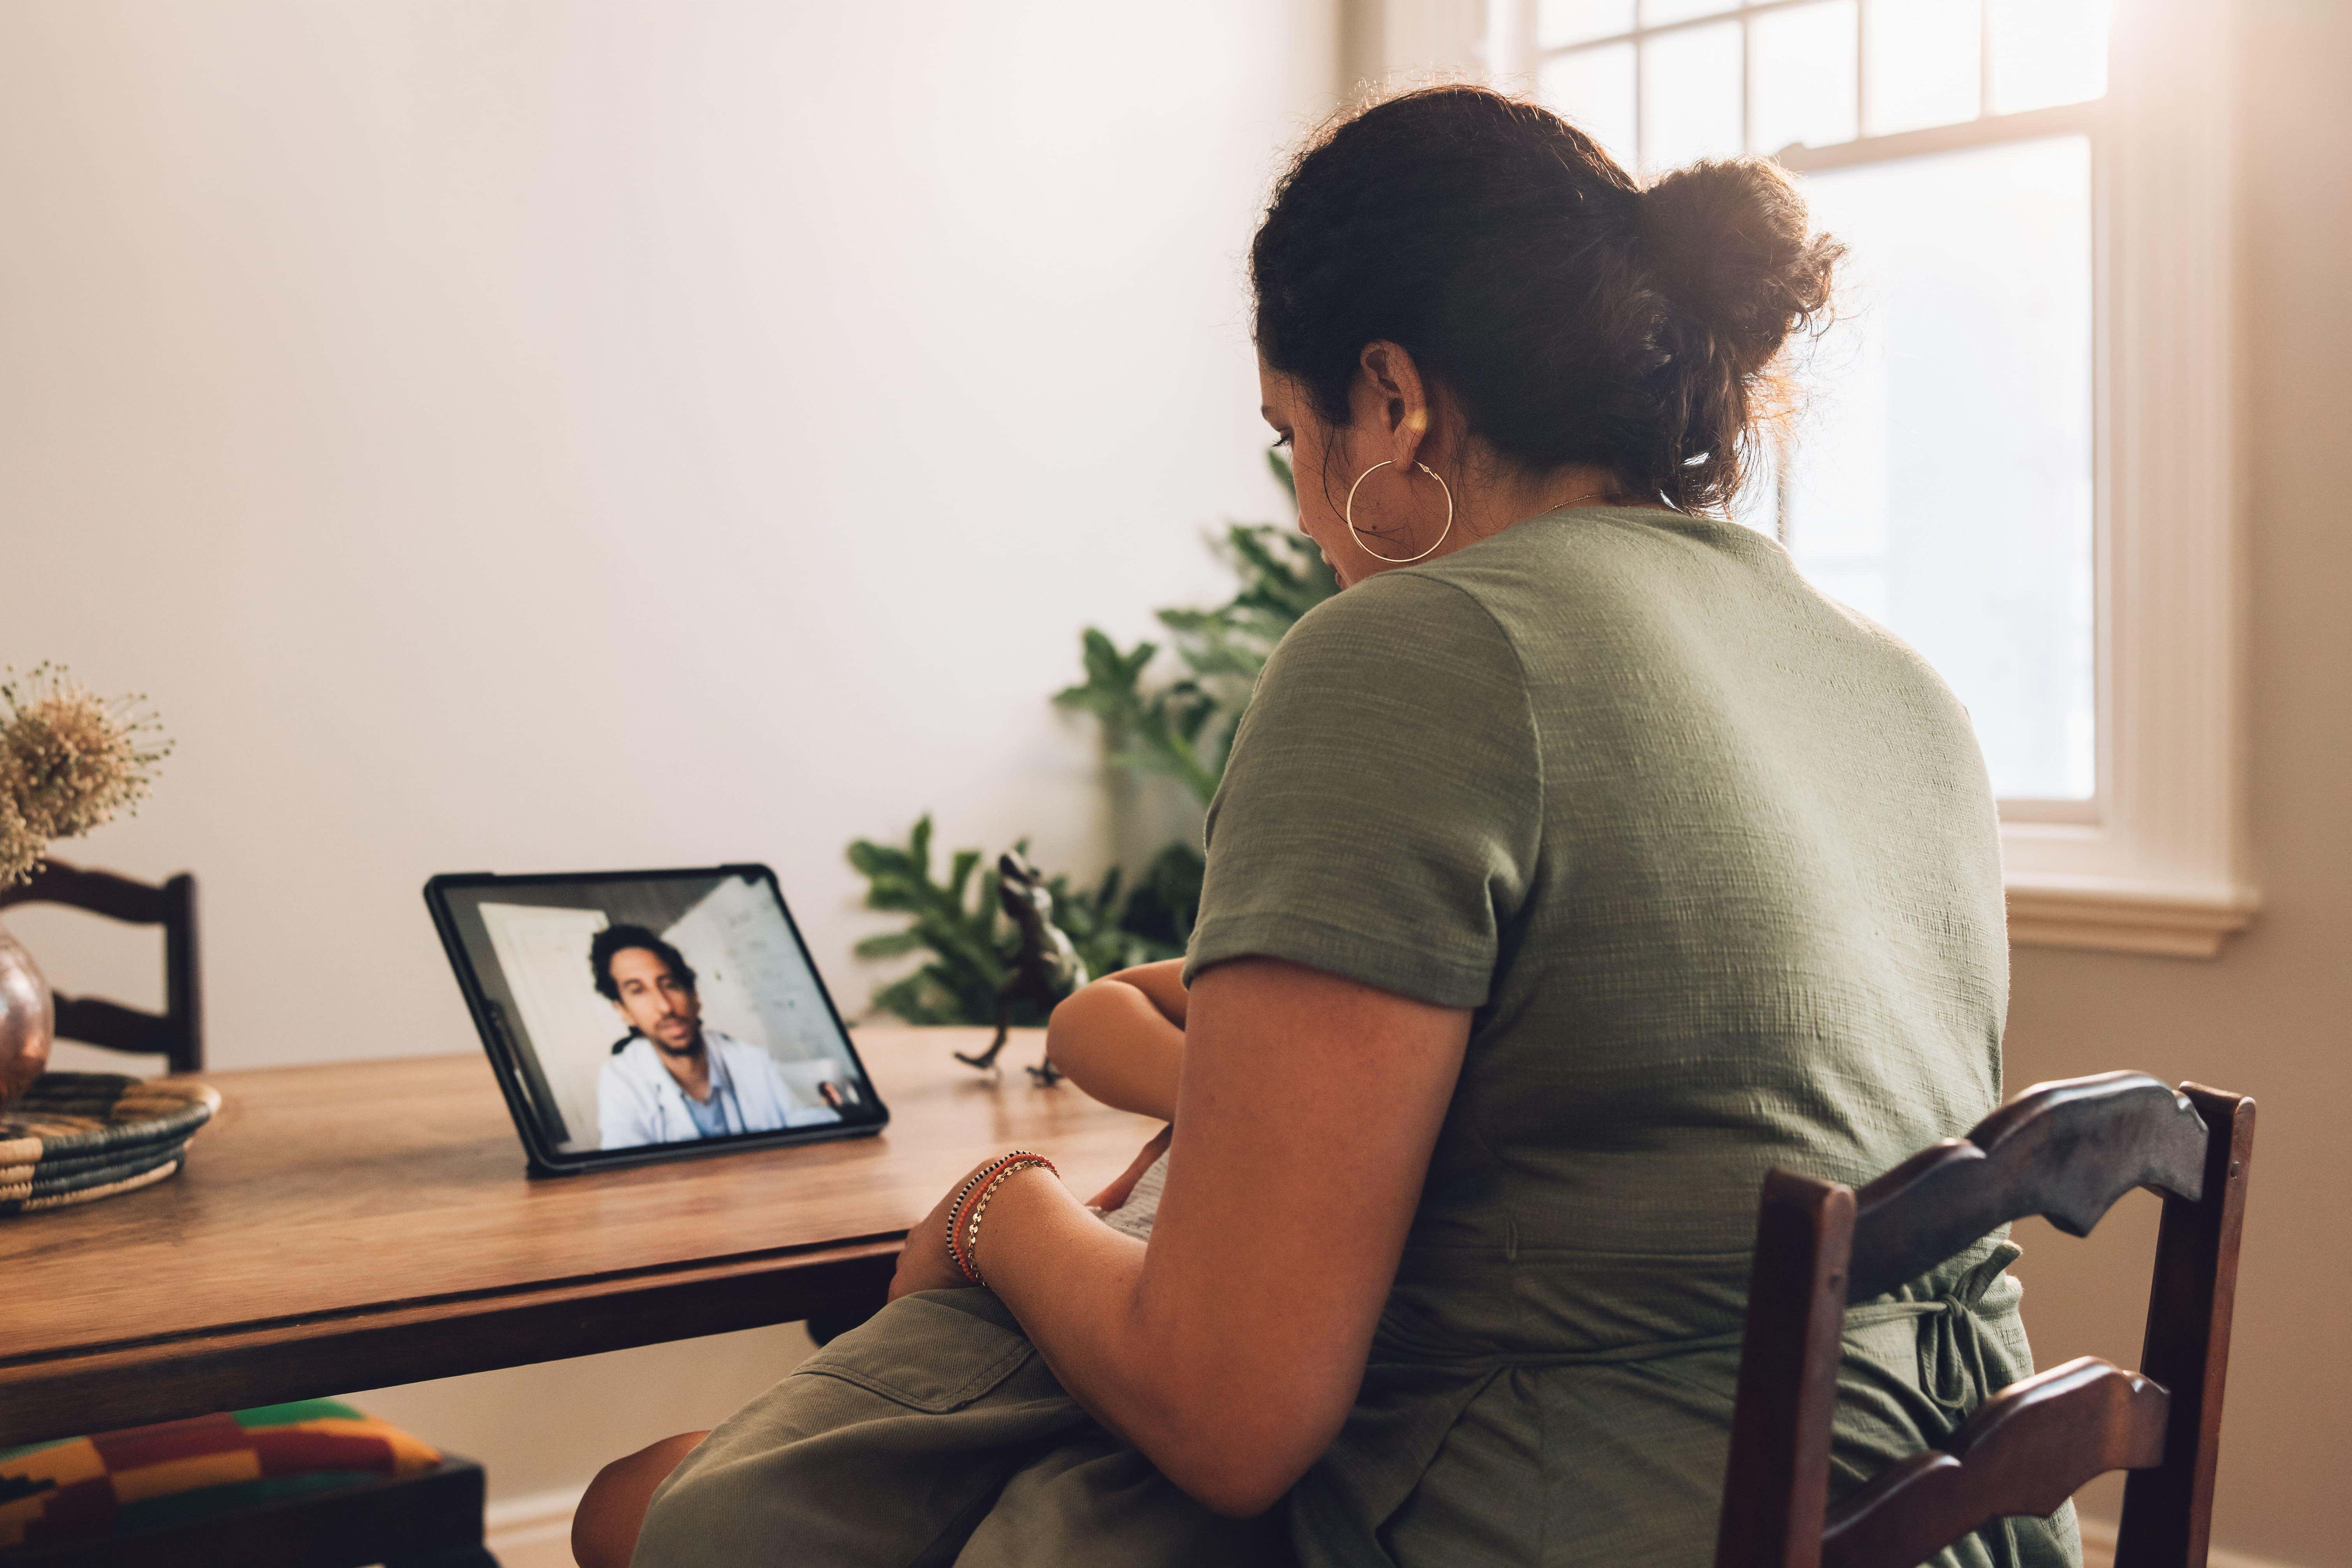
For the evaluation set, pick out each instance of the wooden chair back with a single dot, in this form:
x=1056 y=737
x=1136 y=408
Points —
x=2065 y=1151
x=178 y=1033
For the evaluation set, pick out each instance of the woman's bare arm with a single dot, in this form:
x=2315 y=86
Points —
x=1122 y=1037
x=1230 y=1350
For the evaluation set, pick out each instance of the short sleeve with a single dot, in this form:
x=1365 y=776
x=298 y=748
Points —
x=1380 y=813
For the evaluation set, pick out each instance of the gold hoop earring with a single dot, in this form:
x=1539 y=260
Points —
x=1349 y=512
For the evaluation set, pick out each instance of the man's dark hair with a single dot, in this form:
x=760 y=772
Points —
x=619 y=939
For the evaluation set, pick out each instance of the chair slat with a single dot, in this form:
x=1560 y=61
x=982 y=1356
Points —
x=2065 y=1151
x=98 y=892
x=113 y=1027
x=2025 y=1451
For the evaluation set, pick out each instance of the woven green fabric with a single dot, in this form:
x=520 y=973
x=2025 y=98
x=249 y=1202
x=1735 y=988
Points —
x=1716 y=862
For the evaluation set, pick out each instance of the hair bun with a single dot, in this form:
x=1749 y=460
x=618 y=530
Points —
x=1728 y=242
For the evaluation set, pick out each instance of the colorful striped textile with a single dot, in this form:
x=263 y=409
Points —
x=144 y=1476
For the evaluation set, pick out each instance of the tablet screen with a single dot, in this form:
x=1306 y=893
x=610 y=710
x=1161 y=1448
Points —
x=644 y=1009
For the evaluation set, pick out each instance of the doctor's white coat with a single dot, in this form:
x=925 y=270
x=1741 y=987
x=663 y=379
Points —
x=639 y=1102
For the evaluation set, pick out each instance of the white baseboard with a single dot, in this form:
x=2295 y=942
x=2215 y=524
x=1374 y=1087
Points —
x=533 y=1530
x=2099 y=1550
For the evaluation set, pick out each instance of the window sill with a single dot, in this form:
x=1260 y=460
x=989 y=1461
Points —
x=2096 y=914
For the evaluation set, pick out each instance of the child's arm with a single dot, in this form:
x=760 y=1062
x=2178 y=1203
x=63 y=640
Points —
x=1122 y=1037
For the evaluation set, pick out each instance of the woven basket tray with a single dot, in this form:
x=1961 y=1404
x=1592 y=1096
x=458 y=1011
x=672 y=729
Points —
x=79 y=1136
x=20 y=1197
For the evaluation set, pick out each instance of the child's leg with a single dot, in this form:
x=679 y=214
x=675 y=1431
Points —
x=1163 y=983
x=1116 y=1044
x=604 y=1527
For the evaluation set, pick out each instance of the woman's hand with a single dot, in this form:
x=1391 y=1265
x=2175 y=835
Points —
x=924 y=1263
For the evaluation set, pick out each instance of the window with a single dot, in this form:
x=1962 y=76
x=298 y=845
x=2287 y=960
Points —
x=1942 y=480
x=2017 y=449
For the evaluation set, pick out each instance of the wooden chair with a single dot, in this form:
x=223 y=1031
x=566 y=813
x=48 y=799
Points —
x=176 y=1034
x=2065 y=1151
x=431 y=1520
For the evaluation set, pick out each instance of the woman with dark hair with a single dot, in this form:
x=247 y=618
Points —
x=1575 y=865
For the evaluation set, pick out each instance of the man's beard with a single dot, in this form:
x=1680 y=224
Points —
x=692 y=1048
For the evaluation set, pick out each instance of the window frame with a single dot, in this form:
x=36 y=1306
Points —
x=2156 y=861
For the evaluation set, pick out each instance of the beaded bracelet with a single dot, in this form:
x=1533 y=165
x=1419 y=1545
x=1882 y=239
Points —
x=955 y=1211
x=971 y=1204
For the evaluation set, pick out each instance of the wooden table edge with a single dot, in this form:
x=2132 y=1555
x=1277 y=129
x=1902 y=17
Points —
x=170 y=1377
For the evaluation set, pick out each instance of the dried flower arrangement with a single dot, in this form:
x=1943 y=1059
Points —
x=69 y=762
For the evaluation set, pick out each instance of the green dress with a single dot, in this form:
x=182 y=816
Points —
x=1715 y=863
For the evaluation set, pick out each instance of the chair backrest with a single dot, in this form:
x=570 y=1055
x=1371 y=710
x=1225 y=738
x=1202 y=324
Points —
x=2065 y=1151
x=178 y=1033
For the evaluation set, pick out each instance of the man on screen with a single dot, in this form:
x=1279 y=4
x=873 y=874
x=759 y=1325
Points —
x=670 y=1080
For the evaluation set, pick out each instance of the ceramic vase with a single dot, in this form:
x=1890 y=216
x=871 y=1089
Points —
x=27 y=1020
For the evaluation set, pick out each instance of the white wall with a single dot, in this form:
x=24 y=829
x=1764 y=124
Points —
x=541 y=435
x=548 y=435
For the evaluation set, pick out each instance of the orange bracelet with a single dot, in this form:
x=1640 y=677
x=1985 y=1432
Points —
x=971 y=1206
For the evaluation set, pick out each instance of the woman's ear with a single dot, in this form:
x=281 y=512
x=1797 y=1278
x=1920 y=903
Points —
x=1391 y=391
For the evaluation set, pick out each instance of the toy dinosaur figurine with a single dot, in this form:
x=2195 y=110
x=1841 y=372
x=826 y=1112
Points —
x=1046 y=969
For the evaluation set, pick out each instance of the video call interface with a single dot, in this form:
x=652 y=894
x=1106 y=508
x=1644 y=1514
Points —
x=654 y=1011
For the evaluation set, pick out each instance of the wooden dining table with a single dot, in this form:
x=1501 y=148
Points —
x=364 y=1223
